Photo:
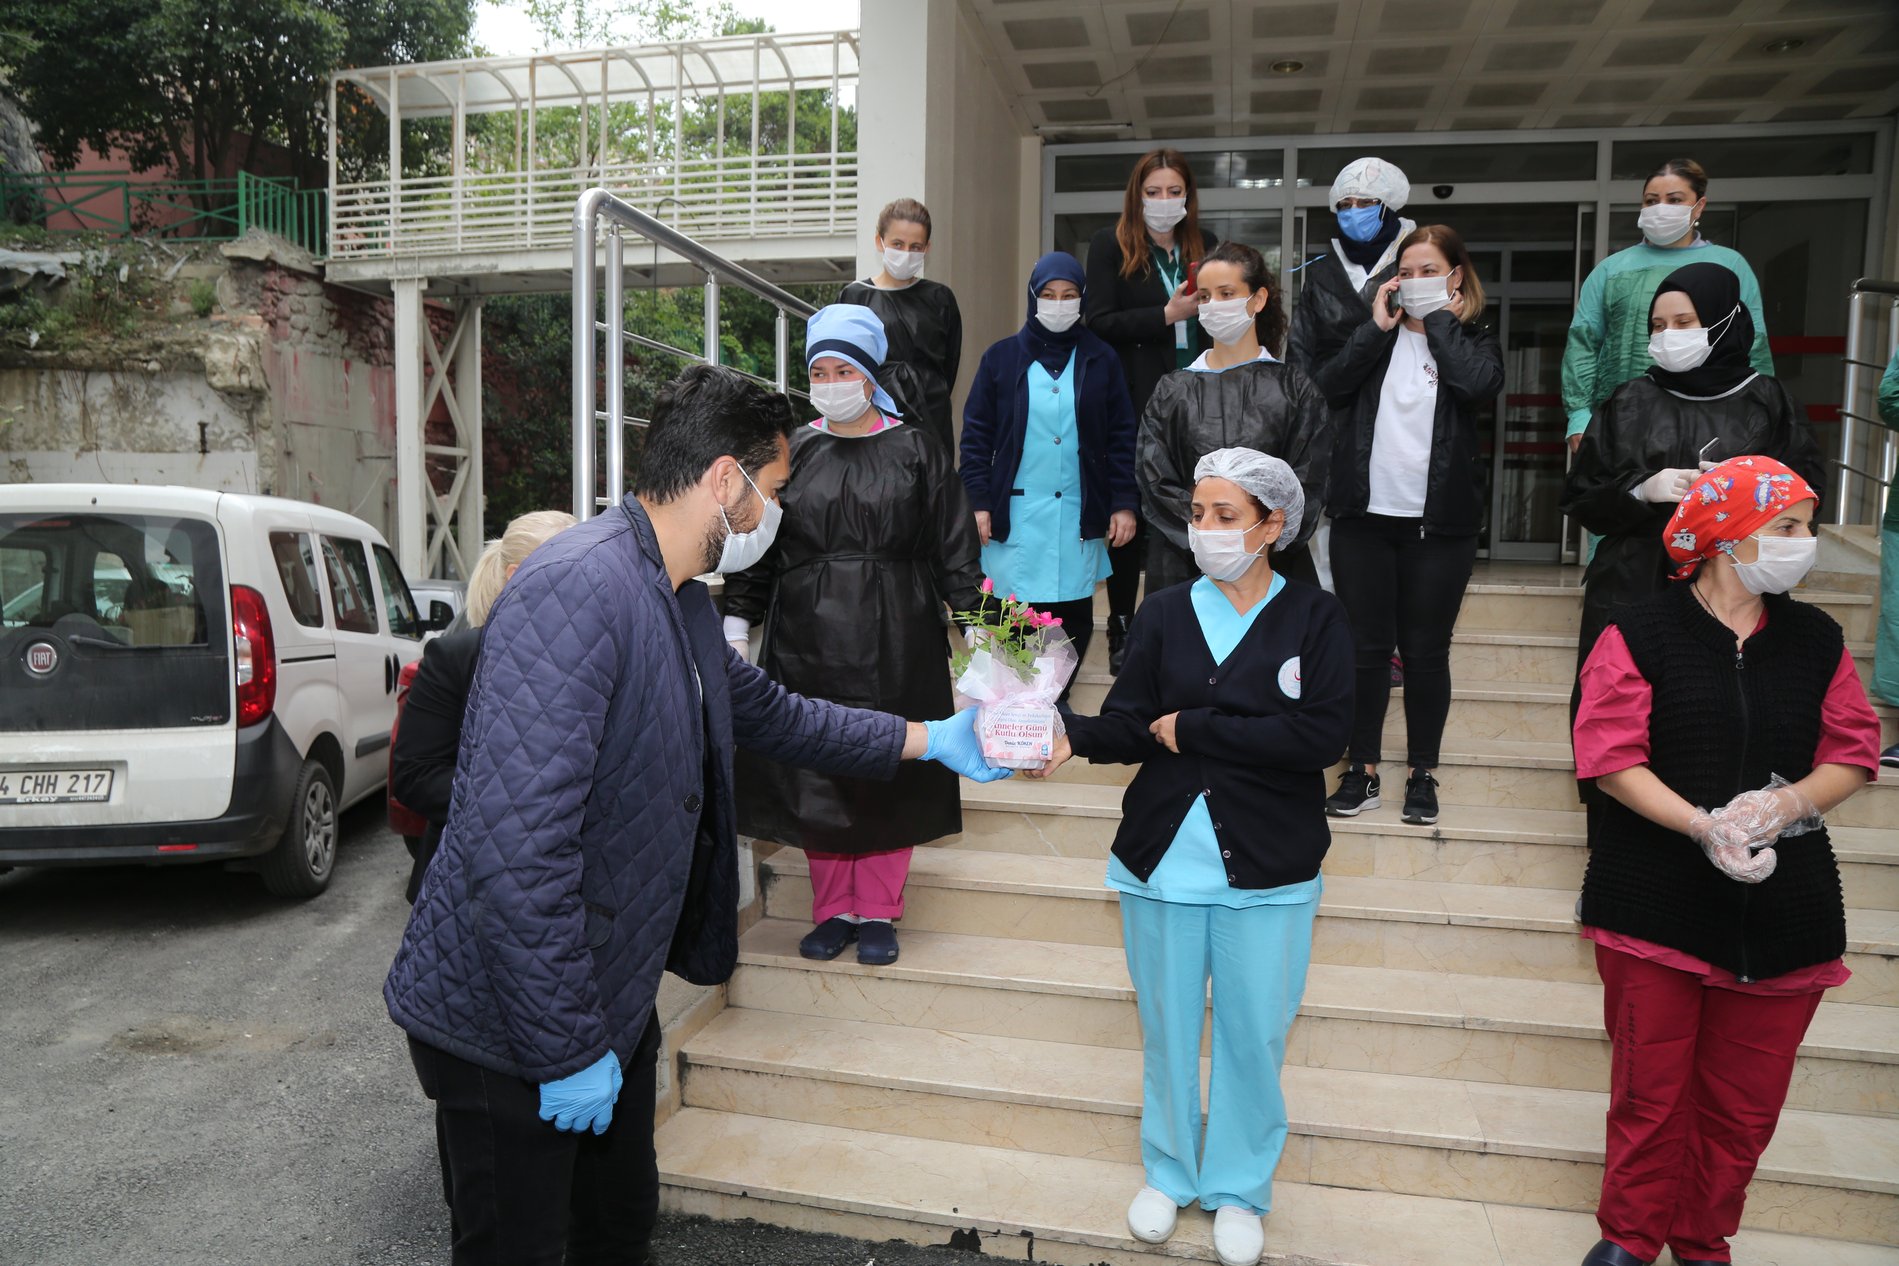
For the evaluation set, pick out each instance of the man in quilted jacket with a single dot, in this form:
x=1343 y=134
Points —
x=590 y=842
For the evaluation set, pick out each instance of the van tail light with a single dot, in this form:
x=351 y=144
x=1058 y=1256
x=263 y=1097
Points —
x=255 y=655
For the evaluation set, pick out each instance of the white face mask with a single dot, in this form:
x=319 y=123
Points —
x=1666 y=223
x=1223 y=555
x=1057 y=315
x=840 y=401
x=1679 y=351
x=1421 y=296
x=742 y=549
x=1782 y=563
x=903 y=265
x=1226 y=320
x=1162 y=214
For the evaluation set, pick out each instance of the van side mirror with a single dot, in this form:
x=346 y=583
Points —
x=441 y=615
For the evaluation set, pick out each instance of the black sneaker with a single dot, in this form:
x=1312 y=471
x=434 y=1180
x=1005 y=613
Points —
x=1890 y=757
x=1358 y=791
x=1420 y=799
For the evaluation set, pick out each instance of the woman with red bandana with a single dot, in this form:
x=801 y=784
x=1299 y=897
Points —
x=1718 y=718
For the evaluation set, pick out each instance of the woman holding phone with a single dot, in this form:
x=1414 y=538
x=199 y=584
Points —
x=1142 y=300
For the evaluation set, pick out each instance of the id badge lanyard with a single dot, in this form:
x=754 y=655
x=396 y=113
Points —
x=1172 y=279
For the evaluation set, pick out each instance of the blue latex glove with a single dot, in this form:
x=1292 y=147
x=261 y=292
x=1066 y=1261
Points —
x=953 y=744
x=584 y=1099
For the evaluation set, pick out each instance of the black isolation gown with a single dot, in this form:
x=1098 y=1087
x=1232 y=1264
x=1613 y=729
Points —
x=925 y=332
x=1641 y=429
x=1265 y=405
x=877 y=537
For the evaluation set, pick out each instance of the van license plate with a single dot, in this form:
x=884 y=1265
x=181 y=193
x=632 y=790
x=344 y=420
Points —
x=54 y=786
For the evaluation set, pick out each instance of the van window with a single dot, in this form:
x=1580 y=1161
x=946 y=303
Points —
x=297 y=571
x=350 y=591
x=132 y=615
x=397 y=601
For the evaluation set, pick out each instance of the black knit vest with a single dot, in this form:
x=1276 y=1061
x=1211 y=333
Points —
x=1722 y=723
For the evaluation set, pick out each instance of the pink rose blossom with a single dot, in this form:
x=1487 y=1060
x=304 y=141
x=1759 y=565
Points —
x=988 y=585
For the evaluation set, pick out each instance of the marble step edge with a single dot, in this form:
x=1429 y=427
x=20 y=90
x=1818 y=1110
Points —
x=1062 y=798
x=1846 y=1031
x=1813 y=1149
x=1073 y=1209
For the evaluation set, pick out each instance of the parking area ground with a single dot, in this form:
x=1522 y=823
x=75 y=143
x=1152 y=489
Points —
x=193 y=1072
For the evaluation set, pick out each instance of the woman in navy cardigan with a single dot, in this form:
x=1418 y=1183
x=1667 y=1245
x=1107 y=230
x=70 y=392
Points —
x=1048 y=453
x=1235 y=699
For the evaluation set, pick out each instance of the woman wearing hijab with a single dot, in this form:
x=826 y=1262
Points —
x=876 y=542
x=1048 y=454
x=1237 y=394
x=920 y=317
x=1714 y=941
x=1141 y=301
x=1236 y=696
x=1701 y=401
x=1609 y=335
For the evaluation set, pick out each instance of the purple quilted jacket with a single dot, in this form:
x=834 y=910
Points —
x=590 y=775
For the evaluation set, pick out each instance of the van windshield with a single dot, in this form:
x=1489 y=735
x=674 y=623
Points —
x=125 y=619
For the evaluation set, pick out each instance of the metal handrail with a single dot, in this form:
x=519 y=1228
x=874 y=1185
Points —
x=1855 y=362
x=590 y=209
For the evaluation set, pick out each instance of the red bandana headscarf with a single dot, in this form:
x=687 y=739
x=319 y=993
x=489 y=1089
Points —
x=1728 y=504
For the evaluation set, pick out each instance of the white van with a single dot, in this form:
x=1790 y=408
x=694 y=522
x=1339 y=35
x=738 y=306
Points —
x=190 y=676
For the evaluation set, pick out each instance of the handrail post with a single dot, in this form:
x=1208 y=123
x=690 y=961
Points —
x=1855 y=325
x=782 y=357
x=616 y=364
x=712 y=317
x=583 y=317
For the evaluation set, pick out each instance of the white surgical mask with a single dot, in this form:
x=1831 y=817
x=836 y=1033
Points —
x=1162 y=214
x=1057 y=315
x=742 y=549
x=1421 y=296
x=1666 y=223
x=1222 y=555
x=1226 y=320
x=903 y=265
x=840 y=401
x=1782 y=563
x=1679 y=351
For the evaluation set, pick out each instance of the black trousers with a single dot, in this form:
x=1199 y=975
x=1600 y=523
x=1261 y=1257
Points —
x=1402 y=589
x=1078 y=621
x=522 y=1193
x=1124 y=585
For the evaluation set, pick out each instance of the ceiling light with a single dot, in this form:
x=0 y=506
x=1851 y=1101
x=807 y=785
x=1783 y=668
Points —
x=1790 y=44
x=1287 y=67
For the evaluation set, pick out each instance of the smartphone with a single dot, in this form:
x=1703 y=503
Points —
x=1193 y=277
x=1394 y=304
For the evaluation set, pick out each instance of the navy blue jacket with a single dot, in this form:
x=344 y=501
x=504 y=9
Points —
x=996 y=418
x=593 y=790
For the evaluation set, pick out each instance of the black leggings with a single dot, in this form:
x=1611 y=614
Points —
x=1124 y=585
x=1078 y=621
x=1402 y=589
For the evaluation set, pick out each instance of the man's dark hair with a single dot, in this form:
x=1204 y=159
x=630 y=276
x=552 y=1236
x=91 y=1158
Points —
x=707 y=413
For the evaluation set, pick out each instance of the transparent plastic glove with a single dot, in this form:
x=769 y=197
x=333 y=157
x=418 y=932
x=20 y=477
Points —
x=1667 y=486
x=953 y=744
x=1777 y=810
x=1727 y=847
x=583 y=1100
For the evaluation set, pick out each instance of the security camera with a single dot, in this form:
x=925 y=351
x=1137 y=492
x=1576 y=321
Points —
x=1443 y=191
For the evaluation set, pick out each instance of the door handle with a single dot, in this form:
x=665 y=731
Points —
x=388 y=674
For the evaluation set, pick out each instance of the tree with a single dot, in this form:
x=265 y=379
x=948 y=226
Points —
x=176 y=83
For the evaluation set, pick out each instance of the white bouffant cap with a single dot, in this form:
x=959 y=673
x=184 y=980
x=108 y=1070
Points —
x=1267 y=478
x=1372 y=178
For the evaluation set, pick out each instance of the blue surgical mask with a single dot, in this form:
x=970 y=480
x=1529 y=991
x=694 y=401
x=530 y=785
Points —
x=1361 y=224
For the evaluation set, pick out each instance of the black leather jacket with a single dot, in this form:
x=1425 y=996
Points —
x=1328 y=311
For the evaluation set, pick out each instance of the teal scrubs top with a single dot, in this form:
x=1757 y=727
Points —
x=1045 y=560
x=1191 y=872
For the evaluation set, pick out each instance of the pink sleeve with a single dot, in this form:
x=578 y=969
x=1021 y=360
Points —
x=1612 y=723
x=1849 y=728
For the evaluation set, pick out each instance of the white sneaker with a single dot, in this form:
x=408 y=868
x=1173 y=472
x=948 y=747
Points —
x=1151 y=1216
x=1239 y=1235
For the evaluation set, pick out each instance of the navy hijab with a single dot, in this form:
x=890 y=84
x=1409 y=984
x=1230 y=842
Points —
x=1716 y=293
x=1047 y=348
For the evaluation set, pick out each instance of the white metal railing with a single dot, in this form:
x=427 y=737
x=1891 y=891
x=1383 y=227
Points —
x=606 y=421
x=745 y=196
x=1871 y=458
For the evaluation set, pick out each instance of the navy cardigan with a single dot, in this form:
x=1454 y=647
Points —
x=1256 y=733
x=996 y=418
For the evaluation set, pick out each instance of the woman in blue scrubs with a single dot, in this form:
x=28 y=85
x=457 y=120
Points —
x=1235 y=699
x=1048 y=454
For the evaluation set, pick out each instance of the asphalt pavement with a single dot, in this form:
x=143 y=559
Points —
x=194 y=1072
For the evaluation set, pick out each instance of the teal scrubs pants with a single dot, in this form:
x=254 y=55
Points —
x=1257 y=959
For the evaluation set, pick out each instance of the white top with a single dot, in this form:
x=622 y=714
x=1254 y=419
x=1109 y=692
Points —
x=1359 y=276
x=1202 y=366
x=1401 y=441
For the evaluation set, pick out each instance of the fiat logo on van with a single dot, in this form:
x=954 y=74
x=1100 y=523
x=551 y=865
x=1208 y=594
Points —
x=42 y=658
